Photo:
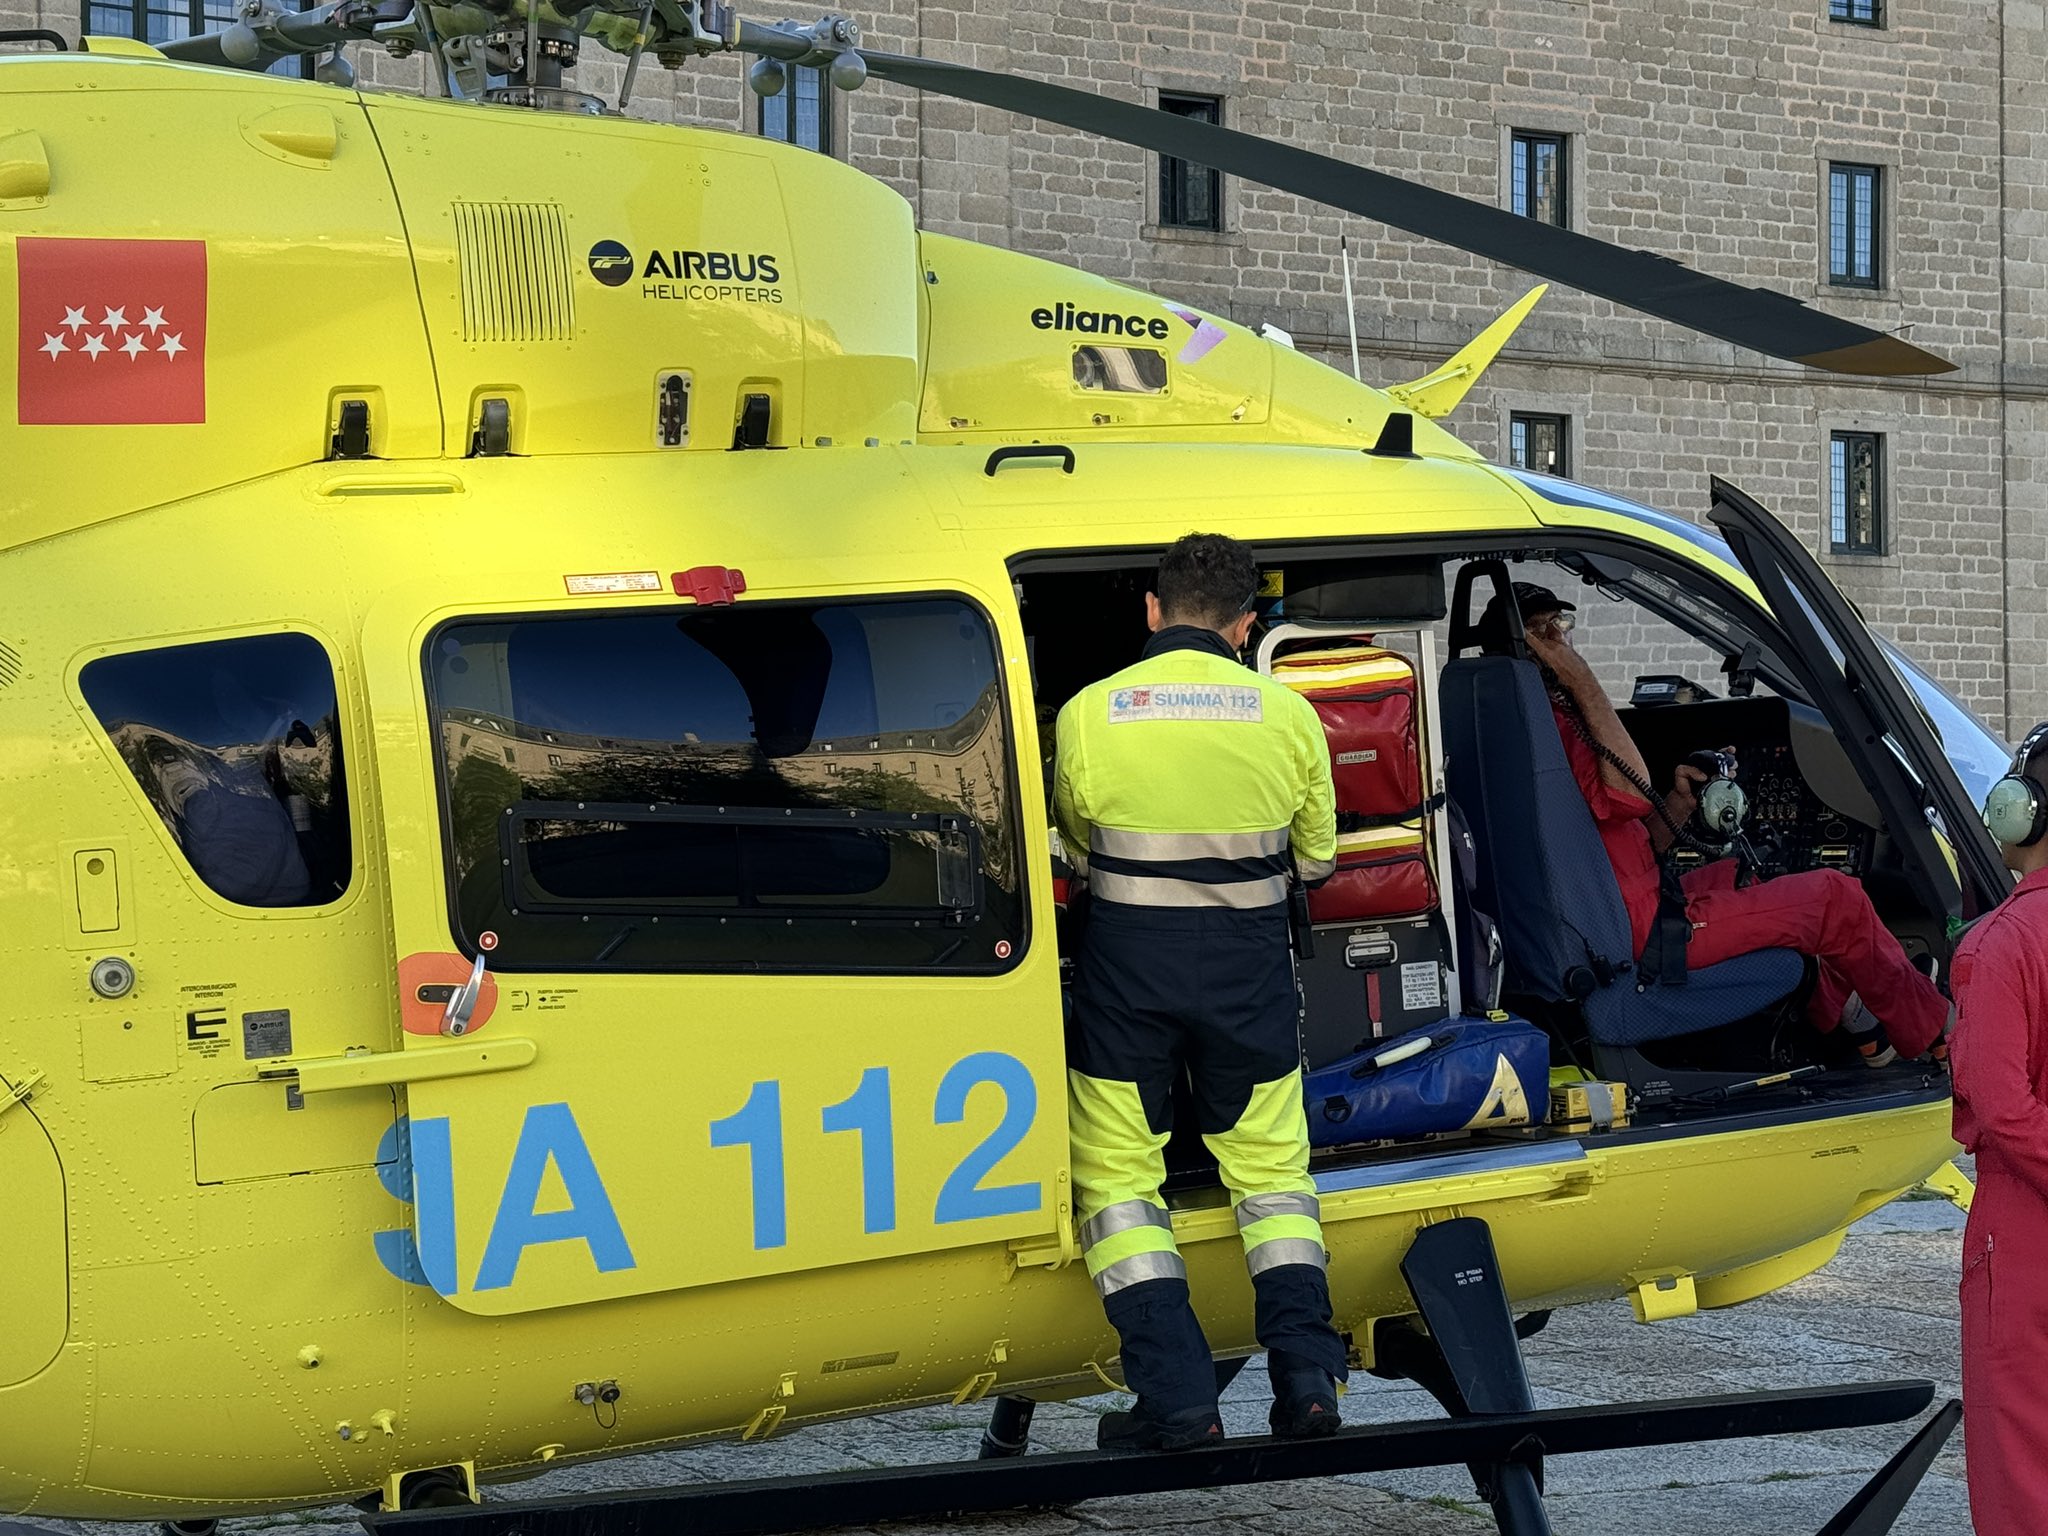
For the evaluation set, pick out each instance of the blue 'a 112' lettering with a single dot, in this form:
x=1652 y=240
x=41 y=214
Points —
x=416 y=1163
x=421 y=1167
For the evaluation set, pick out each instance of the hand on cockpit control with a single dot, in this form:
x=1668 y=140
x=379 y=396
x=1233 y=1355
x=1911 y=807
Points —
x=1686 y=784
x=1684 y=799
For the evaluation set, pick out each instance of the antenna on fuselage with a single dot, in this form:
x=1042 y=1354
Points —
x=1350 y=307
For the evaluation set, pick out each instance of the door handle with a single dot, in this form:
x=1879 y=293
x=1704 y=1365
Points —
x=461 y=1005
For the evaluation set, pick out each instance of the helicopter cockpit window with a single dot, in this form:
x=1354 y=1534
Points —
x=237 y=744
x=822 y=787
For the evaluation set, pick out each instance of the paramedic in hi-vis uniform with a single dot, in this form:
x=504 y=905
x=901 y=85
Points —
x=2000 y=1059
x=1196 y=790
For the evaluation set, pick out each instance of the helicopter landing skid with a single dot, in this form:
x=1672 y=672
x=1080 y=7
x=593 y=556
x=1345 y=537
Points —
x=811 y=1502
x=1470 y=1359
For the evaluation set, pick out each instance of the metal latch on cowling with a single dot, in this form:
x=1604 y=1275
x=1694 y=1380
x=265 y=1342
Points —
x=22 y=1091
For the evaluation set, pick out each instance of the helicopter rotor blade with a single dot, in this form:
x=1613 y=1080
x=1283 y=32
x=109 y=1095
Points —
x=1768 y=322
x=271 y=34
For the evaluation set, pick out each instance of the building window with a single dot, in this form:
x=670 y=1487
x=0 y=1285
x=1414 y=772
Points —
x=1536 y=180
x=1541 y=443
x=801 y=112
x=164 y=21
x=1852 y=225
x=701 y=816
x=1856 y=493
x=1864 y=13
x=1190 y=195
x=237 y=745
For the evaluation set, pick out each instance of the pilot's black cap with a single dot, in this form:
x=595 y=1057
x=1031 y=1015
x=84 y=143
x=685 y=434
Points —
x=1492 y=629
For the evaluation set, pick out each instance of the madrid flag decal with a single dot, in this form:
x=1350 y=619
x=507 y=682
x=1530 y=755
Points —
x=113 y=332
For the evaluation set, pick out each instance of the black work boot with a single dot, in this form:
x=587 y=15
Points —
x=1305 y=1357
x=1137 y=1429
x=1167 y=1363
x=1304 y=1397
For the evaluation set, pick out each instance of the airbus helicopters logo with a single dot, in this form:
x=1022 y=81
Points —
x=743 y=277
x=611 y=263
x=112 y=332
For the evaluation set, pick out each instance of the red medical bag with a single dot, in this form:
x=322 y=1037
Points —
x=1366 y=698
x=1381 y=872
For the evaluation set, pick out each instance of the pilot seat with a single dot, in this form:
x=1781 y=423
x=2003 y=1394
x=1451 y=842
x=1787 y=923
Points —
x=1544 y=874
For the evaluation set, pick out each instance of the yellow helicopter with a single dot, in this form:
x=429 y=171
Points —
x=524 y=871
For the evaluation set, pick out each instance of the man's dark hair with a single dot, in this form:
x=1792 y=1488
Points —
x=1207 y=579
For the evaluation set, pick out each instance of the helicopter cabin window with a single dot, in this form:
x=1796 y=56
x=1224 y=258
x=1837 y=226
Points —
x=1536 y=176
x=790 y=787
x=1856 y=493
x=1853 y=247
x=801 y=112
x=1540 y=443
x=1190 y=195
x=237 y=745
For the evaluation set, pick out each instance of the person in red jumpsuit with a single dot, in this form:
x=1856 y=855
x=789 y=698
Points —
x=1866 y=984
x=2001 y=1103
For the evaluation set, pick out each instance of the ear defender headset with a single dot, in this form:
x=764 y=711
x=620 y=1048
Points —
x=2016 y=810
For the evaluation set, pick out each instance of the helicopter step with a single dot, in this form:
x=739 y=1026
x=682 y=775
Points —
x=1469 y=1358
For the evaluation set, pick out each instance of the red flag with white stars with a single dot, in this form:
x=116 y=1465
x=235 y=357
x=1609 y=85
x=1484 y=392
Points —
x=113 y=332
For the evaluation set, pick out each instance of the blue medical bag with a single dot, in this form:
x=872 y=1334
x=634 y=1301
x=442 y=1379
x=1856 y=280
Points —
x=1457 y=1075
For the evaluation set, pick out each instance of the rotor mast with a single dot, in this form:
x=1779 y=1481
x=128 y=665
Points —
x=514 y=52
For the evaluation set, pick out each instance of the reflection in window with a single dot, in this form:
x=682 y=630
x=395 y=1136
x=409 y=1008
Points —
x=801 y=112
x=1121 y=370
x=1856 y=493
x=1536 y=176
x=1853 y=251
x=796 y=787
x=1541 y=443
x=237 y=743
x=1190 y=195
x=163 y=21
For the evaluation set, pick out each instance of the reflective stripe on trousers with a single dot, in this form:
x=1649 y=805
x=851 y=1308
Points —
x=1128 y=1244
x=1280 y=1229
x=1119 y=1164
x=1241 y=870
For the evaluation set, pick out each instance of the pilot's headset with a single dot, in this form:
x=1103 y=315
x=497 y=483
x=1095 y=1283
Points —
x=2016 y=810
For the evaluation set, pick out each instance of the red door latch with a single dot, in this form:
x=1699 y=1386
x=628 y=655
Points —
x=715 y=586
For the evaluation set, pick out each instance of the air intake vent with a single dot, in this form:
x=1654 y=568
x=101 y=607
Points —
x=10 y=664
x=515 y=272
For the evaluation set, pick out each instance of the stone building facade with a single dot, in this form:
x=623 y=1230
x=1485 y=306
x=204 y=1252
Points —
x=1703 y=131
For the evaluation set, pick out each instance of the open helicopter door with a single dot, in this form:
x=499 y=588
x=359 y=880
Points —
x=1879 y=723
x=699 y=981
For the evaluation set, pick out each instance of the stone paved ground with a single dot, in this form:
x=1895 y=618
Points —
x=1886 y=1307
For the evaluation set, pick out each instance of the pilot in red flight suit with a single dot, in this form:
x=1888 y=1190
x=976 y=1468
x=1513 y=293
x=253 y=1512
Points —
x=1865 y=984
x=2001 y=1095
